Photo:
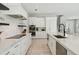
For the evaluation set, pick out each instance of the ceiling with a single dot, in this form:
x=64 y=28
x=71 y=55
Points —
x=51 y=9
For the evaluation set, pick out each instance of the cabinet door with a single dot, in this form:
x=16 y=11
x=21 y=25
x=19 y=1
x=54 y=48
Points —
x=49 y=42
x=52 y=45
x=15 y=50
x=51 y=24
x=38 y=22
x=41 y=34
x=25 y=44
x=19 y=48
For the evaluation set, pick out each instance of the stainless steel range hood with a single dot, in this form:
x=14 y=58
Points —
x=3 y=7
x=17 y=16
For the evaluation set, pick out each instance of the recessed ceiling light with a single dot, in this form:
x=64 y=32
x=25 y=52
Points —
x=36 y=9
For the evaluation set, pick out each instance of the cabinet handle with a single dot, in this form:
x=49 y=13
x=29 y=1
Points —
x=7 y=53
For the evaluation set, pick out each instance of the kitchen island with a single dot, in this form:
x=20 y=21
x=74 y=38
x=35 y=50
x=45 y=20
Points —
x=70 y=43
x=16 y=45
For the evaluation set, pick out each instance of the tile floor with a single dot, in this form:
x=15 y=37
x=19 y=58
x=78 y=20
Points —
x=39 y=47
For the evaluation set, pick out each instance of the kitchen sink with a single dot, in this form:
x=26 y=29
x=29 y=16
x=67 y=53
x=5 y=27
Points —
x=59 y=36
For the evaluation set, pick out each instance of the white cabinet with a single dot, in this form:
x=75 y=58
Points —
x=40 y=34
x=20 y=47
x=25 y=44
x=37 y=21
x=52 y=45
x=51 y=24
x=15 y=50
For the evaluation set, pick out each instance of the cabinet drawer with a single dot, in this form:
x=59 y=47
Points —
x=52 y=45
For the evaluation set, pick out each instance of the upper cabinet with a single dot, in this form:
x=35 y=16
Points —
x=37 y=21
x=51 y=24
x=15 y=9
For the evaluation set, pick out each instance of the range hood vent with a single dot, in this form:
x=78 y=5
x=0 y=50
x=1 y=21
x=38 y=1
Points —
x=18 y=17
x=3 y=7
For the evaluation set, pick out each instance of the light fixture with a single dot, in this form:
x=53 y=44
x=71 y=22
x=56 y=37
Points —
x=36 y=9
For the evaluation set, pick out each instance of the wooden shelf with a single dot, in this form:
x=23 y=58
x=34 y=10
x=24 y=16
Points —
x=21 y=25
x=4 y=24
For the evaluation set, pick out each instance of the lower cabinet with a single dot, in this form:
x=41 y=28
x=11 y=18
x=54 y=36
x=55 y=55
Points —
x=56 y=48
x=52 y=45
x=41 y=34
x=20 y=48
x=15 y=50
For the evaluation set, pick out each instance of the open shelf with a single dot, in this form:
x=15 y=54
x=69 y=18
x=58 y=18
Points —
x=3 y=24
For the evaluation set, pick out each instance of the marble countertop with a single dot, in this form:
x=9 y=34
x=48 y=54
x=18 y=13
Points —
x=70 y=43
x=18 y=36
x=8 y=42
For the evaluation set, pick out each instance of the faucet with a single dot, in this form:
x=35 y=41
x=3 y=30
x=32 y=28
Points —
x=63 y=28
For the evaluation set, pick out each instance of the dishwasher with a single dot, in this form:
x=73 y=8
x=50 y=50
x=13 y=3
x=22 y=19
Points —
x=60 y=50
